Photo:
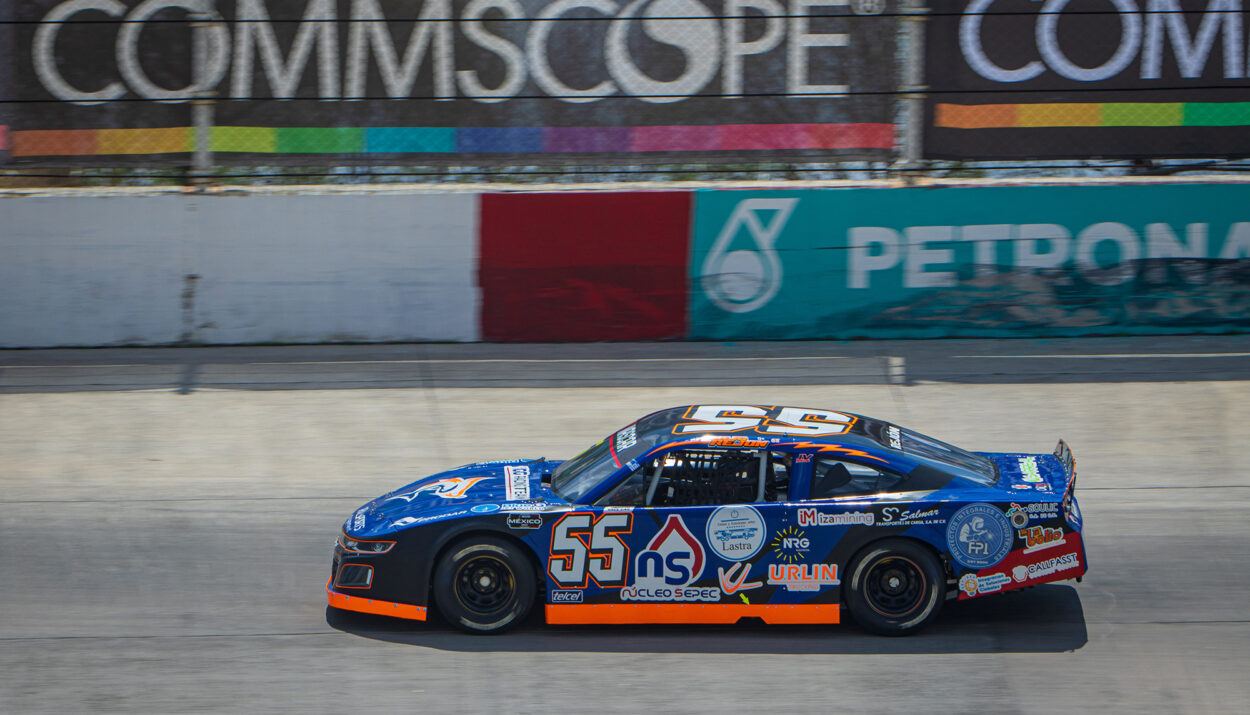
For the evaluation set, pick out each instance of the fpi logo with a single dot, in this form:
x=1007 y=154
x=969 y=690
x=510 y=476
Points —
x=673 y=558
x=743 y=280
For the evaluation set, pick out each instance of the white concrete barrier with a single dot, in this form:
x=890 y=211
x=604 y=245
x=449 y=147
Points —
x=166 y=269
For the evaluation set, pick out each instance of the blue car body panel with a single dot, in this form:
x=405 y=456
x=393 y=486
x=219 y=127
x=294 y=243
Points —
x=782 y=560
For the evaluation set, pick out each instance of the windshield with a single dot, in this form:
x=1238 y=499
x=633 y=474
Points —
x=924 y=448
x=580 y=474
x=577 y=477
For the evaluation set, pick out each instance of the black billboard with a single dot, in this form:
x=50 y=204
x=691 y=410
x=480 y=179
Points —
x=452 y=77
x=1021 y=79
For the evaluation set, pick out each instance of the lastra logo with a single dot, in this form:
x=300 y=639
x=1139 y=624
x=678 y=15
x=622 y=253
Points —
x=673 y=558
x=743 y=280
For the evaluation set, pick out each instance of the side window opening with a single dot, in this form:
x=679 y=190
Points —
x=837 y=478
x=696 y=477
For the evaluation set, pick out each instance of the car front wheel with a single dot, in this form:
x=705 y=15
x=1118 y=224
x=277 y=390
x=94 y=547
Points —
x=896 y=587
x=484 y=585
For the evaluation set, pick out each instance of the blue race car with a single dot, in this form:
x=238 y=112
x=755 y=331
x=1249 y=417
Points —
x=713 y=513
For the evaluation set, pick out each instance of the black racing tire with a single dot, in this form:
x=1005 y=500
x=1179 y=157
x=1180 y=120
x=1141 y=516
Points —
x=484 y=584
x=896 y=587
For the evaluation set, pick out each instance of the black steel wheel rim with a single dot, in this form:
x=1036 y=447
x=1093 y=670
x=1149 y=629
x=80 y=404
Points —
x=894 y=586
x=485 y=584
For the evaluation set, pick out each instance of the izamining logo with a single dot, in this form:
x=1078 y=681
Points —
x=744 y=279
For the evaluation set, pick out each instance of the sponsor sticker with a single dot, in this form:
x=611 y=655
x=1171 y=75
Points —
x=803 y=577
x=1040 y=537
x=895 y=437
x=1019 y=517
x=1054 y=565
x=524 y=521
x=454 y=488
x=1028 y=467
x=735 y=579
x=516 y=483
x=805 y=457
x=665 y=570
x=735 y=533
x=790 y=545
x=410 y=520
x=896 y=516
x=745 y=442
x=815 y=517
x=626 y=438
x=526 y=506
x=484 y=508
x=566 y=596
x=358 y=520
x=973 y=584
x=979 y=536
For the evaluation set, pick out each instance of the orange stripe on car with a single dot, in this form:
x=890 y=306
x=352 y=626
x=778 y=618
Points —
x=613 y=613
x=374 y=606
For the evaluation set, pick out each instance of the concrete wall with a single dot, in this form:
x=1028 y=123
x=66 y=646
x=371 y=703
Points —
x=151 y=270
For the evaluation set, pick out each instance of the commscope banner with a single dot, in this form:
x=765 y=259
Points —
x=1021 y=79
x=973 y=262
x=439 y=78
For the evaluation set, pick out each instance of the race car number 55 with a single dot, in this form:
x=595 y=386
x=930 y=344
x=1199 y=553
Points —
x=788 y=420
x=604 y=558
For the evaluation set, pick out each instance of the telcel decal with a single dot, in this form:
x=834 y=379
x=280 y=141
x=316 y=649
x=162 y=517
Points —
x=665 y=570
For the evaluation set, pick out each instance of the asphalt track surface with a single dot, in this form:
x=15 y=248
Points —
x=167 y=517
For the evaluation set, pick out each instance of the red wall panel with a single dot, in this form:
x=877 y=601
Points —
x=583 y=267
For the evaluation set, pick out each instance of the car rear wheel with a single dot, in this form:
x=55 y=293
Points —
x=484 y=585
x=895 y=587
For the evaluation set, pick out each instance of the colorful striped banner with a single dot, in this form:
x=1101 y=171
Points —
x=1101 y=114
x=449 y=140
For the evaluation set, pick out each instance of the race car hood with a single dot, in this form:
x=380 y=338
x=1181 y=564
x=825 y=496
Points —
x=1032 y=475
x=483 y=487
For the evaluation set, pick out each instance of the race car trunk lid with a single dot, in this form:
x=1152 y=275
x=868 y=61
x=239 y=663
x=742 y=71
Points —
x=1038 y=476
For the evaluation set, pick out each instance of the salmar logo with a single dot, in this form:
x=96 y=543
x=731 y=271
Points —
x=740 y=280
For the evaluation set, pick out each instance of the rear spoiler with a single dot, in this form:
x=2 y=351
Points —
x=1064 y=454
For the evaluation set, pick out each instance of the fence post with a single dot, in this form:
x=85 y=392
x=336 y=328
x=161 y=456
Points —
x=202 y=100
x=913 y=90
